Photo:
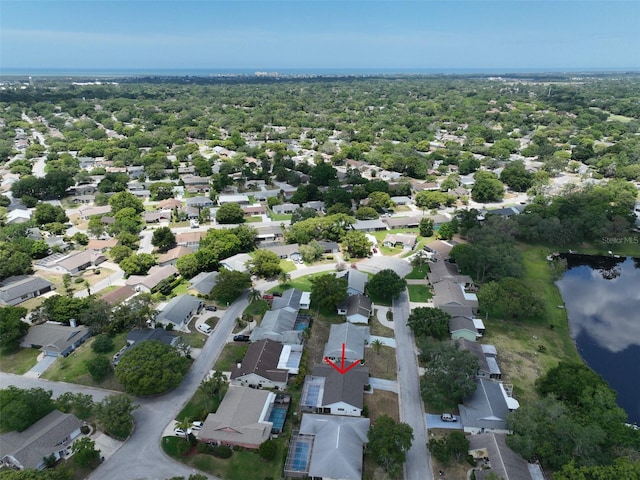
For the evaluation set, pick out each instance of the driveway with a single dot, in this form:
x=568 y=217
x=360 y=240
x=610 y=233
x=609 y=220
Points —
x=418 y=462
x=389 y=342
x=39 y=368
x=434 y=421
x=382 y=384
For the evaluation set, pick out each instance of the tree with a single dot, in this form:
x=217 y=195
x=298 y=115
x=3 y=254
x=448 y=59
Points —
x=230 y=213
x=268 y=450
x=426 y=227
x=312 y=251
x=303 y=213
x=448 y=230
x=102 y=344
x=98 y=367
x=254 y=295
x=386 y=284
x=283 y=278
x=163 y=239
x=150 y=368
x=22 y=408
x=377 y=345
x=138 y=264
x=379 y=201
x=427 y=199
x=517 y=177
x=389 y=443
x=328 y=291
x=12 y=328
x=429 y=322
x=121 y=200
x=120 y=252
x=47 y=213
x=188 y=265
x=265 y=264
x=487 y=188
x=357 y=243
x=512 y=297
x=450 y=373
x=80 y=404
x=455 y=443
x=323 y=174
x=96 y=227
x=622 y=467
x=85 y=452
x=229 y=285
x=115 y=415
x=214 y=385
x=367 y=213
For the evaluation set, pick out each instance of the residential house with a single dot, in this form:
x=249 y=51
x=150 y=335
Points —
x=439 y=248
x=102 y=245
x=196 y=184
x=329 y=247
x=240 y=199
x=356 y=309
x=328 y=391
x=241 y=418
x=87 y=212
x=401 y=200
x=487 y=358
x=179 y=310
x=292 y=298
x=285 y=208
x=356 y=281
x=78 y=261
x=203 y=283
x=278 y=325
x=15 y=290
x=146 y=283
x=250 y=211
x=405 y=240
x=137 y=336
x=200 y=202
x=402 y=222
x=18 y=215
x=51 y=435
x=348 y=340
x=499 y=461
x=189 y=239
x=439 y=271
x=487 y=409
x=317 y=205
x=463 y=327
x=506 y=211
x=236 y=262
x=119 y=295
x=269 y=234
x=169 y=204
x=369 y=225
x=261 y=366
x=290 y=251
x=171 y=256
x=333 y=445
x=55 y=339
x=453 y=299
x=156 y=217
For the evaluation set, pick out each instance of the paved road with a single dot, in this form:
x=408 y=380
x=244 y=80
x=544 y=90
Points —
x=145 y=242
x=142 y=456
x=418 y=464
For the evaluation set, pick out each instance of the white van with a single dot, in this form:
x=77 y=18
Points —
x=204 y=328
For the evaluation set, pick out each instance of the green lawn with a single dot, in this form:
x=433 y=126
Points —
x=304 y=283
x=419 y=293
x=242 y=465
x=287 y=266
x=387 y=302
x=232 y=354
x=253 y=219
x=256 y=309
x=19 y=361
x=280 y=216
x=180 y=289
x=418 y=273
x=199 y=406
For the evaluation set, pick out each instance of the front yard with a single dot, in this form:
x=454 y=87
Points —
x=231 y=354
x=419 y=293
x=19 y=361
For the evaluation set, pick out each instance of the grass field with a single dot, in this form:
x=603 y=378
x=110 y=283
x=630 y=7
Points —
x=231 y=354
x=419 y=293
x=418 y=273
x=304 y=283
x=380 y=330
x=199 y=406
x=383 y=364
x=19 y=361
x=287 y=266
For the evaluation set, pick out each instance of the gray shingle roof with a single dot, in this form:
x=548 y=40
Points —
x=278 y=325
x=353 y=337
x=348 y=388
x=13 y=288
x=40 y=439
x=290 y=298
x=204 y=282
x=505 y=463
x=486 y=408
x=54 y=337
x=180 y=309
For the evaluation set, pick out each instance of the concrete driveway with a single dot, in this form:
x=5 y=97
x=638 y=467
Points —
x=39 y=368
x=434 y=421
x=386 y=341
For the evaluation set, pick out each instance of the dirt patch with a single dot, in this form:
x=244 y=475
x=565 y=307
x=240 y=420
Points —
x=382 y=402
x=382 y=364
x=454 y=470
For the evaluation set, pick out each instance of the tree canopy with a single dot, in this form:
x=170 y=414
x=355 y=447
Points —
x=328 y=291
x=386 y=284
x=12 y=328
x=389 y=443
x=151 y=368
x=429 y=322
x=22 y=408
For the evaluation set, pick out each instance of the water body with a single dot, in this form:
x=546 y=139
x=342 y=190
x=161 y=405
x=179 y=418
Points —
x=602 y=297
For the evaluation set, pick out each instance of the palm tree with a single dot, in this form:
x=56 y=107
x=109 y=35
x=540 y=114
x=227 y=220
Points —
x=184 y=425
x=377 y=345
x=283 y=278
x=254 y=295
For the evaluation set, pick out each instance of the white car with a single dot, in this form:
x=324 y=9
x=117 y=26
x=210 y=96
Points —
x=180 y=432
x=205 y=328
x=196 y=425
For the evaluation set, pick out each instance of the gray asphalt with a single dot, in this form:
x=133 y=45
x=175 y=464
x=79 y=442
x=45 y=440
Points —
x=142 y=457
x=418 y=463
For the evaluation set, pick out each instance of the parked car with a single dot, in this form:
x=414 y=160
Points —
x=277 y=294
x=241 y=338
x=211 y=308
x=447 y=417
x=196 y=425
x=267 y=296
x=205 y=328
x=180 y=432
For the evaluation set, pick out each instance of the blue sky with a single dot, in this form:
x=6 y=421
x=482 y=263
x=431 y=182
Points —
x=316 y=34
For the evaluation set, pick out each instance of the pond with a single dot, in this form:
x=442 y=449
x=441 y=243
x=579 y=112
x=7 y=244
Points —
x=602 y=297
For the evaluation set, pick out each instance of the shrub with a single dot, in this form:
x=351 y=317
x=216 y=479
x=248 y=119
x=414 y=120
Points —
x=102 y=344
x=221 y=451
x=268 y=450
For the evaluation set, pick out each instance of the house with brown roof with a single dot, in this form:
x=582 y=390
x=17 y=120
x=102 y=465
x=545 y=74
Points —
x=146 y=283
x=405 y=240
x=261 y=366
x=241 y=418
x=118 y=295
x=189 y=239
x=440 y=248
x=156 y=217
x=169 y=204
x=51 y=435
x=172 y=256
x=102 y=245
x=78 y=261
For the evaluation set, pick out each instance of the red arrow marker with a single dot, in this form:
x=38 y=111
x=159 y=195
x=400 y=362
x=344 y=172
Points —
x=342 y=369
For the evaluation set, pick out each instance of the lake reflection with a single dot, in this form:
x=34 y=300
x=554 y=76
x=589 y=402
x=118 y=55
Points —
x=602 y=297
